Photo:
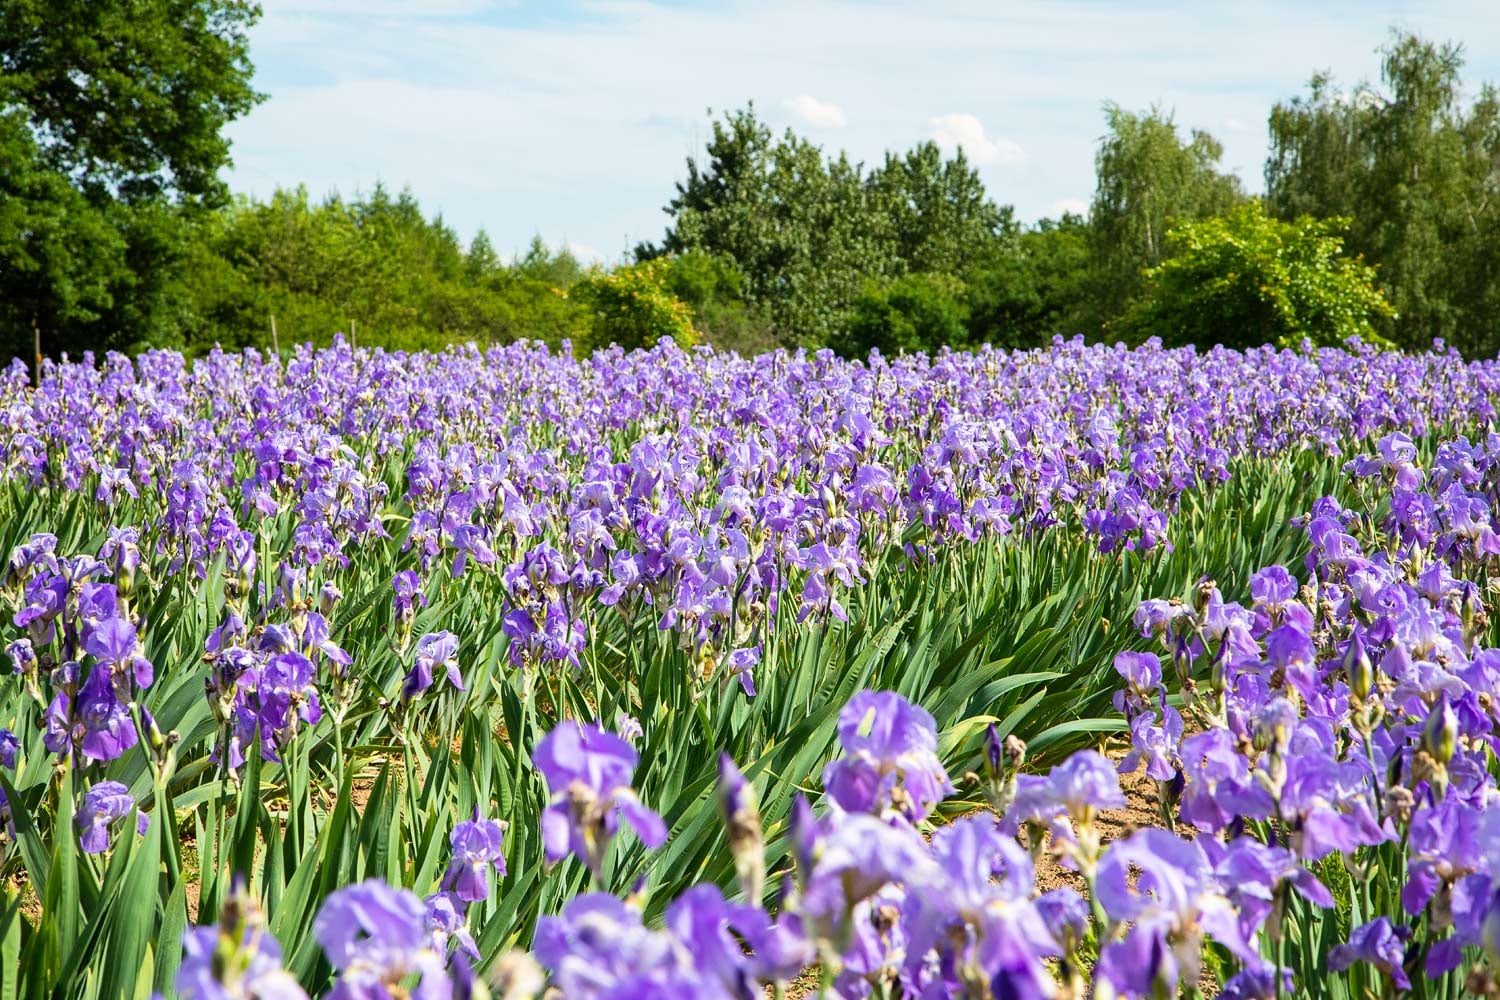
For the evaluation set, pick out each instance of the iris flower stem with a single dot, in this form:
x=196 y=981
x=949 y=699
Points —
x=338 y=743
x=1281 y=948
x=412 y=802
x=209 y=866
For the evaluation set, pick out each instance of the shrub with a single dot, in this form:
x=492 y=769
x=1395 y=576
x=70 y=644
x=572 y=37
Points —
x=632 y=307
x=1244 y=279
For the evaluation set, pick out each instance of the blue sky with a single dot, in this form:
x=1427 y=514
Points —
x=572 y=120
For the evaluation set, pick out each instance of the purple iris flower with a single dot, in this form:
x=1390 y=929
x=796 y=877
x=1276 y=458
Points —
x=9 y=748
x=854 y=857
x=256 y=971
x=1075 y=791
x=1258 y=984
x=890 y=763
x=1155 y=743
x=1142 y=675
x=741 y=813
x=377 y=938
x=1065 y=914
x=1272 y=587
x=102 y=805
x=22 y=656
x=433 y=650
x=114 y=642
x=408 y=594
x=446 y=921
x=598 y=947
x=712 y=929
x=1380 y=943
x=1253 y=874
x=1218 y=785
x=588 y=772
x=478 y=845
x=1172 y=901
x=1443 y=844
x=979 y=914
x=96 y=721
x=1328 y=803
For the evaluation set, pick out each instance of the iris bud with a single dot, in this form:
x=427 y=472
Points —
x=742 y=819
x=1357 y=666
x=1440 y=734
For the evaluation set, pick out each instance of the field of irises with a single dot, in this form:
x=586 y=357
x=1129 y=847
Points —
x=672 y=674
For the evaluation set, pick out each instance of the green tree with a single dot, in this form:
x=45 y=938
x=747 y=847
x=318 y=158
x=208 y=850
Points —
x=481 y=261
x=1147 y=177
x=557 y=269
x=798 y=227
x=1418 y=172
x=1031 y=285
x=404 y=279
x=1246 y=279
x=111 y=122
x=936 y=210
x=915 y=312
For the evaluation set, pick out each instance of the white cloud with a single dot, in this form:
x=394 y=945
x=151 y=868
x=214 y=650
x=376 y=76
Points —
x=585 y=253
x=1236 y=125
x=967 y=132
x=818 y=114
x=1077 y=206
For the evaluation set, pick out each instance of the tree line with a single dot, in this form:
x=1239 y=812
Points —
x=1380 y=218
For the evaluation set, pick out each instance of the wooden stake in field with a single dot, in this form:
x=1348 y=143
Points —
x=275 y=344
x=353 y=340
x=36 y=352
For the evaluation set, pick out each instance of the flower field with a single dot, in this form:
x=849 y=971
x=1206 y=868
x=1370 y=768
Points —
x=681 y=674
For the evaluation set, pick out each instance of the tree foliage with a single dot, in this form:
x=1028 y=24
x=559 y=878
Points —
x=808 y=232
x=116 y=230
x=714 y=289
x=1418 y=174
x=1032 y=285
x=914 y=312
x=406 y=281
x=631 y=307
x=1246 y=279
x=111 y=119
x=936 y=210
x=1148 y=176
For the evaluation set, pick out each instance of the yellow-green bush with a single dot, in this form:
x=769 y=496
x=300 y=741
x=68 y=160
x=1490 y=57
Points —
x=632 y=307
